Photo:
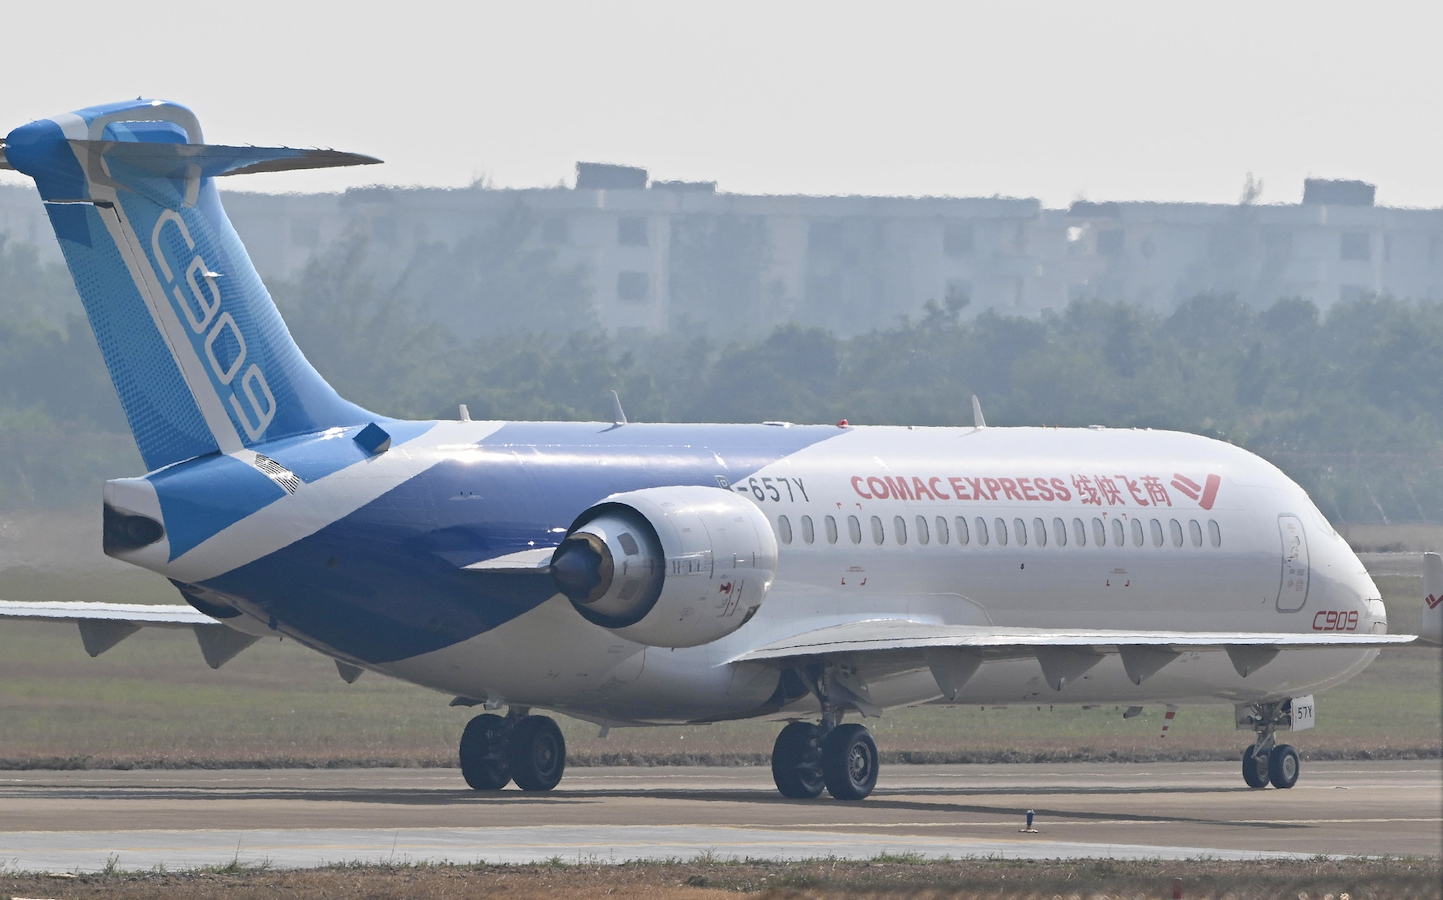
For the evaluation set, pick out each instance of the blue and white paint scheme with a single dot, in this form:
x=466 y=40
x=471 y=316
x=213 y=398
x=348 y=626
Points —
x=629 y=573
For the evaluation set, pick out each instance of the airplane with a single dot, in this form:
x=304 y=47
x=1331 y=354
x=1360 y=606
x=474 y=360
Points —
x=630 y=574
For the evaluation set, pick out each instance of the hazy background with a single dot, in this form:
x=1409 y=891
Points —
x=1112 y=100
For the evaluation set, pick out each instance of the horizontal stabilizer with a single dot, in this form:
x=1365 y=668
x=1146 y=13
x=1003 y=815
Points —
x=146 y=614
x=181 y=160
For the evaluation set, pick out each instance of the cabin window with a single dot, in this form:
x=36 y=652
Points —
x=1176 y=528
x=1099 y=533
x=1019 y=529
x=922 y=535
x=1079 y=532
x=1156 y=528
x=981 y=524
x=784 y=529
x=1196 y=531
x=899 y=525
x=942 y=535
x=1137 y=532
x=1039 y=532
x=962 y=536
x=1215 y=533
x=1118 y=537
x=831 y=524
x=809 y=534
x=1059 y=532
x=878 y=536
x=999 y=531
x=854 y=529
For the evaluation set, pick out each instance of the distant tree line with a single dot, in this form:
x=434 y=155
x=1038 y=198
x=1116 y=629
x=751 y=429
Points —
x=1349 y=402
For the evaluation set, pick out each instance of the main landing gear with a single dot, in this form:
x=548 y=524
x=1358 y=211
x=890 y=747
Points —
x=526 y=749
x=1266 y=761
x=840 y=757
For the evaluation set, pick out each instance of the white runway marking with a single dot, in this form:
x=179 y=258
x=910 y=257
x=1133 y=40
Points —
x=86 y=851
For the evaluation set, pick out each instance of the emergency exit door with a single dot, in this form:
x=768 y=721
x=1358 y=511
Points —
x=1293 y=585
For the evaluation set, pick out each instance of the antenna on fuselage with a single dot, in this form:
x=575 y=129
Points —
x=977 y=420
x=617 y=416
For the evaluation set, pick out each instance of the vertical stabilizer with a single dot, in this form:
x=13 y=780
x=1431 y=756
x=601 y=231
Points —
x=194 y=344
x=1432 y=630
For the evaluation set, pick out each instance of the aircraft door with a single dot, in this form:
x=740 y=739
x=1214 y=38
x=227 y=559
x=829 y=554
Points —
x=1293 y=581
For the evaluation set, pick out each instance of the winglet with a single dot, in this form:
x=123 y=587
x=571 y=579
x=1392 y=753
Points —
x=977 y=420
x=1431 y=631
x=617 y=416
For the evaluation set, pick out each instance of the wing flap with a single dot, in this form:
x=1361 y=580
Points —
x=995 y=642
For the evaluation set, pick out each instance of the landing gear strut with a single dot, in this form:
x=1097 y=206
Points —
x=840 y=757
x=1266 y=761
x=527 y=749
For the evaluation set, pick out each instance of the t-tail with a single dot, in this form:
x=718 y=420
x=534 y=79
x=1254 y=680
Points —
x=1431 y=631
x=195 y=346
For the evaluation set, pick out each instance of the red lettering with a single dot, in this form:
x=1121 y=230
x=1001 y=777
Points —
x=993 y=486
x=900 y=491
x=1352 y=621
x=937 y=489
x=1044 y=493
x=959 y=488
x=919 y=488
x=1060 y=487
x=857 y=486
x=1025 y=485
x=979 y=490
x=1316 y=626
x=878 y=487
x=1009 y=487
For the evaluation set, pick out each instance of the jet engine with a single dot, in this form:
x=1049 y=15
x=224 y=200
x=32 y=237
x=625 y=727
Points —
x=668 y=567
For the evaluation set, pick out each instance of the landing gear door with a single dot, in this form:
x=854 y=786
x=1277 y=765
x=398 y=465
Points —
x=1293 y=584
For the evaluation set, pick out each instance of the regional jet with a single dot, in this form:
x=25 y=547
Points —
x=635 y=574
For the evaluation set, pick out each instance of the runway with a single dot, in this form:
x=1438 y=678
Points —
x=67 y=821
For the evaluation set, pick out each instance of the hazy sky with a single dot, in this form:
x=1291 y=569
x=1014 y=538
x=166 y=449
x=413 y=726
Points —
x=1104 y=100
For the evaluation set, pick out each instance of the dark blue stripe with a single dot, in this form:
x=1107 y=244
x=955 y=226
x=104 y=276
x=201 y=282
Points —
x=384 y=583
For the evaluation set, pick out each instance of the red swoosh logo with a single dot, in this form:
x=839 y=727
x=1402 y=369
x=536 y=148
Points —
x=1432 y=601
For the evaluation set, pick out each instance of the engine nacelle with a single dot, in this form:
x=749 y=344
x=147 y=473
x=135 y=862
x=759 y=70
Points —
x=668 y=567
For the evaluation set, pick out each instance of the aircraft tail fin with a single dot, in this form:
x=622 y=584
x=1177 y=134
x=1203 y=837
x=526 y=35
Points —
x=195 y=347
x=1432 y=630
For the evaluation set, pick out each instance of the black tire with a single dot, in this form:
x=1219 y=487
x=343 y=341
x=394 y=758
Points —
x=1255 y=769
x=1283 y=766
x=797 y=762
x=849 y=762
x=484 y=762
x=538 y=754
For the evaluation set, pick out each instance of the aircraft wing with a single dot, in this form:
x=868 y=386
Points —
x=103 y=625
x=955 y=651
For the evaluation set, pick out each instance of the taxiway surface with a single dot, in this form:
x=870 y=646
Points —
x=295 y=818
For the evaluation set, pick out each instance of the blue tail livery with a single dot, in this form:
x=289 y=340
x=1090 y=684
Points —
x=194 y=344
x=636 y=573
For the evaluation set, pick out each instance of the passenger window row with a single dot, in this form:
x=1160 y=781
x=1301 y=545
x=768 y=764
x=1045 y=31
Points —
x=942 y=531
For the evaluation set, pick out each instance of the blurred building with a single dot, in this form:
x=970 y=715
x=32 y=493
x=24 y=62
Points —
x=676 y=255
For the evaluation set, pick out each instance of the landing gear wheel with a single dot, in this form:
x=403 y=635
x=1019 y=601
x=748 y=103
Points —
x=483 y=753
x=849 y=762
x=797 y=762
x=1255 y=768
x=538 y=754
x=1283 y=766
